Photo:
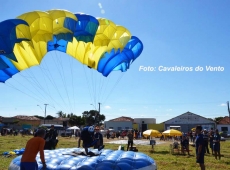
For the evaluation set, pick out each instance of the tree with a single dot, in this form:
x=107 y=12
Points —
x=61 y=114
x=93 y=117
x=217 y=119
x=49 y=117
x=76 y=120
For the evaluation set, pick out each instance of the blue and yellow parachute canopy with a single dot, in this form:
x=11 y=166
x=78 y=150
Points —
x=96 y=42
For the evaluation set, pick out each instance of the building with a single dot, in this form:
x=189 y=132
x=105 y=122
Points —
x=224 y=125
x=55 y=121
x=143 y=124
x=119 y=123
x=21 y=121
x=189 y=120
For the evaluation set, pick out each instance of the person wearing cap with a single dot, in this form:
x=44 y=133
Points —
x=33 y=146
x=99 y=137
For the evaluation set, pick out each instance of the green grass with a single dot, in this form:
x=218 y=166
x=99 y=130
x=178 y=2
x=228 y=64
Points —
x=164 y=160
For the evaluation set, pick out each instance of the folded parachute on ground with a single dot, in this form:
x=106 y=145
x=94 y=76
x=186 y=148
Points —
x=96 y=42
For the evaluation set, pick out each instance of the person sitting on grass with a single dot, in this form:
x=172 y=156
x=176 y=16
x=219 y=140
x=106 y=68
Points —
x=33 y=146
x=184 y=144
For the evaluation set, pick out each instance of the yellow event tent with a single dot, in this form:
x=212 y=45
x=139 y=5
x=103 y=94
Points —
x=172 y=132
x=152 y=133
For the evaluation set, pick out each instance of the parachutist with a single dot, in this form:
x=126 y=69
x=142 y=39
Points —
x=89 y=67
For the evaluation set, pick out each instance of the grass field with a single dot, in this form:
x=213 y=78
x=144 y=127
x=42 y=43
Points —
x=164 y=160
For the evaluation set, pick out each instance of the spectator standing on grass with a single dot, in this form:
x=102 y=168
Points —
x=216 y=144
x=130 y=139
x=33 y=146
x=199 y=143
x=211 y=136
x=205 y=136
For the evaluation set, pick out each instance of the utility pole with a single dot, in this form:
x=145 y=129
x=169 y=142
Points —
x=99 y=108
x=228 y=112
x=45 y=114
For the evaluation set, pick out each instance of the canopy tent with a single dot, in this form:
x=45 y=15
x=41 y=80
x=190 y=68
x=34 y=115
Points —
x=152 y=133
x=73 y=128
x=172 y=132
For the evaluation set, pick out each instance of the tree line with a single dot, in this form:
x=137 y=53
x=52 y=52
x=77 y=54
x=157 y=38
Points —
x=91 y=116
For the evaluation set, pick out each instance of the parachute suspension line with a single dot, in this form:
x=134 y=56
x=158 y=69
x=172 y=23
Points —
x=55 y=83
x=35 y=86
x=99 y=88
x=63 y=79
x=36 y=83
x=87 y=82
x=11 y=86
x=50 y=78
x=104 y=86
x=95 y=86
x=47 y=76
x=118 y=80
x=73 y=89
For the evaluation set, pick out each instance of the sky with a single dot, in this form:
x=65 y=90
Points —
x=189 y=35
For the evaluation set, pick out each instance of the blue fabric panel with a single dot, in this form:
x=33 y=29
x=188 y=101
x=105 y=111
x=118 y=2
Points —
x=56 y=44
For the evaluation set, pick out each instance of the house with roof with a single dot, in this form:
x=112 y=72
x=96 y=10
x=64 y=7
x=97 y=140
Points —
x=224 y=125
x=119 y=123
x=124 y=122
x=21 y=121
x=189 y=120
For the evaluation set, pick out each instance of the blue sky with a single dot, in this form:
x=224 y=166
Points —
x=174 y=33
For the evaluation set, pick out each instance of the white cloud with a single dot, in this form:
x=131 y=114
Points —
x=99 y=4
x=223 y=104
x=102 y=11
x=107 y=107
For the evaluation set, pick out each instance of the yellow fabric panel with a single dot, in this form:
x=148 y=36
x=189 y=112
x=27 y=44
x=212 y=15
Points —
x=111 y=35
x=58 y=17
x=86 y=53
x=25 y=56
x=23 y=31
x=40 y=49
x=41 y=25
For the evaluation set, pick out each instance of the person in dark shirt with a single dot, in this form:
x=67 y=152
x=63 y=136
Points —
x=216 y=144
x=185 y=145
x=200 y=147
x=99 y=138
x=211 y=136
x=205 y=136
x=87 y=136
x=130 y=139
x=51 y=138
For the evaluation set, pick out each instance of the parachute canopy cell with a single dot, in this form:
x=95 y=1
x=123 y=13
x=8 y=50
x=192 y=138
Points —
x=95 y=42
